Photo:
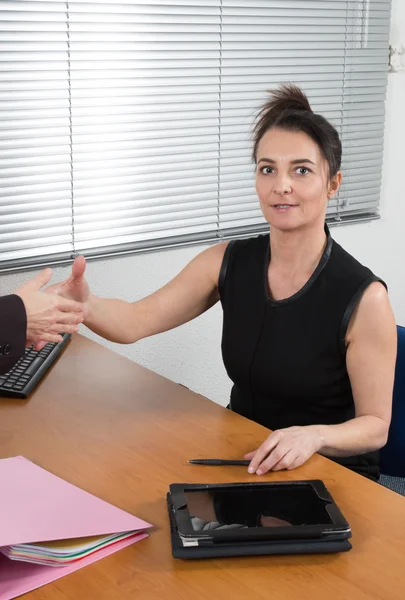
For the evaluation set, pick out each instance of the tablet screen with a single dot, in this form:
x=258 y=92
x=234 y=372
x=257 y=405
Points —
x=255 y=506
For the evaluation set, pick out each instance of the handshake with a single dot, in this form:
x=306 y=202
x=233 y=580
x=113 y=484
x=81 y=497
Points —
x=59 y=308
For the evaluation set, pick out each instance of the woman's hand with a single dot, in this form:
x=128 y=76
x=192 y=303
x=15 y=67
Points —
x=75 y=287
x=285 y=449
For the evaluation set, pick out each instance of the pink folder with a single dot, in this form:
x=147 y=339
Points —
x=36 y=506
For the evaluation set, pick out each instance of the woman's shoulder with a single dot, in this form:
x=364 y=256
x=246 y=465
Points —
x=360 y=291
x=240 y=256
x=247 y=245
x=347 y=267
x=222 y=251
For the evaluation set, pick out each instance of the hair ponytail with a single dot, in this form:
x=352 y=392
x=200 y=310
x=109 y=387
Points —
x=287 y=97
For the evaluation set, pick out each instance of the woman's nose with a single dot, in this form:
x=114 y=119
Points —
x=282 y=185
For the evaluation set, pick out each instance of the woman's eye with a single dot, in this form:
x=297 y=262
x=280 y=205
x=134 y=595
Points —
x=302 y=171
x=267 y=170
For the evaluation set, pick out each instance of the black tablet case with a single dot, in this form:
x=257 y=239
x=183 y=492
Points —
x=251 y=548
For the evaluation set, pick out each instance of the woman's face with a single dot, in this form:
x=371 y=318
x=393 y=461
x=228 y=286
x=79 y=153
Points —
x=292 y=180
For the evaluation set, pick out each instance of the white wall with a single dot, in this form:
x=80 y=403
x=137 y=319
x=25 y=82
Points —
x=191 y=354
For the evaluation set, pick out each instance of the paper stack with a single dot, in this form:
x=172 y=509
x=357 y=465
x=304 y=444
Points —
x=46 y=522
x=64 y=552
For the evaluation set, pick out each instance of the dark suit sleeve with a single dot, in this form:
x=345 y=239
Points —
x=13 y=331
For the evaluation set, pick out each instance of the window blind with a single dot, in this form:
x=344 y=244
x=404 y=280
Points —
x=35 y=132
x=145 y=90
x=125 y=126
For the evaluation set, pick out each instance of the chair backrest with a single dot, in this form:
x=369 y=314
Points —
x=393 y=454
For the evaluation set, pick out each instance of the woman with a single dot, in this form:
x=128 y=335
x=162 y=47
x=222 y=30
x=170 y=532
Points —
x=309 y=337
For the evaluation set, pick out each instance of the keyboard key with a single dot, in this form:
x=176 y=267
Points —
x=34 y=366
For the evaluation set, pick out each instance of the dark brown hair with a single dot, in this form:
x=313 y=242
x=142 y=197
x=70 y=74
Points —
x=288 y=109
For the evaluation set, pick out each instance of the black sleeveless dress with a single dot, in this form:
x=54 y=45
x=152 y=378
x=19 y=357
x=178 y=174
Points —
x=286 y=358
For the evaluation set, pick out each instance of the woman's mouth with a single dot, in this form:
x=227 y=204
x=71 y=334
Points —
x=283 y=207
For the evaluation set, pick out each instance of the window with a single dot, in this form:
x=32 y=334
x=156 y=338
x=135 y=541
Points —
x=126 y=125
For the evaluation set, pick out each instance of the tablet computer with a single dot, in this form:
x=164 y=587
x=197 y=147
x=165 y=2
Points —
x=267 y=512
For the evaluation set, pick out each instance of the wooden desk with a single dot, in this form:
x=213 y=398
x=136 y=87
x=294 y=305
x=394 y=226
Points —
x=124 y=433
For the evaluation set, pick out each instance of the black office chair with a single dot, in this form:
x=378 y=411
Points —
x=393 y=454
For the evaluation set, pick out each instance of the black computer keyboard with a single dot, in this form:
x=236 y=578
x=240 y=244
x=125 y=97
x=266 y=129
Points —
x=24 y=376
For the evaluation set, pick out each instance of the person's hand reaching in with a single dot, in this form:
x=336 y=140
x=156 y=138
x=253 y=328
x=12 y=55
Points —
x=48 y=315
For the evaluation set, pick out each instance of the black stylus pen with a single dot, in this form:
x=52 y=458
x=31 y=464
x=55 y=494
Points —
x=218 y=462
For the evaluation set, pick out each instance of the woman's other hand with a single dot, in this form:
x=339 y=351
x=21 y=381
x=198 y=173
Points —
x=285 y=449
